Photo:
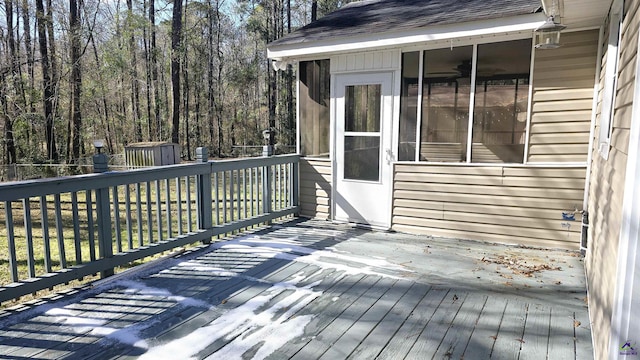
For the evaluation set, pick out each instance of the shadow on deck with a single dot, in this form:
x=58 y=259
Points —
x=316 y=290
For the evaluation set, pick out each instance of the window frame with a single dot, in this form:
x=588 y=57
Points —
x=472 y=99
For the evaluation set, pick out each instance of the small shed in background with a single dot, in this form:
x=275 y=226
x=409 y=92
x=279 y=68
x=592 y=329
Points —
x=156 y=153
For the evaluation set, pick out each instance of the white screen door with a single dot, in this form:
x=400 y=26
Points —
x=362 y=162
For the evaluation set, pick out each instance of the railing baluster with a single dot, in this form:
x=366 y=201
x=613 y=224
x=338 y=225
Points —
x=149 y=213
x=116 y=219
x=188 y=196
x=11 y=241
x=90 y=229
x=232 y=195
x=168 y=208
x=259 y=184
x=217 y=191
x=179 y=204
x=251 y=171
x=279 y=191
x=76 y=227
x=244 y=190
x=28 y=229
x=59 y=232
x=44 y=217
x=159 y=210
x=295 y=185
x=224 y=197
x=127 y=209
x=139 y=214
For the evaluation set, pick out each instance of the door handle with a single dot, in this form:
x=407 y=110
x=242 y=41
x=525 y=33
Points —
x=390 y=157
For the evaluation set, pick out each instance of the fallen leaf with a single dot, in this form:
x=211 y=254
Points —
x=576 y=323
x=494 y=337
x=521 y=341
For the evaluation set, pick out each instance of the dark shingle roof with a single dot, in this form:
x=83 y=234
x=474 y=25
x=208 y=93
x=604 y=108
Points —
x=381 y=16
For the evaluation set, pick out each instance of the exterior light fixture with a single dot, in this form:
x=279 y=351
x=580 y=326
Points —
x=548 y=34
x=280 y=64
x=98 y=144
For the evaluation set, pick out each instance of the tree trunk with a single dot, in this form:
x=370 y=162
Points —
x=135 y=88
x=291 y=123
x=52 y=151
x=154 y=70
x=76 y=79
x=210 y=80
x=219 y=92
x=29 y=50
x=148 y=86
x=13 y=71
x=176 y=31
x=55 y=79
x=185 y=76
x=314 y=10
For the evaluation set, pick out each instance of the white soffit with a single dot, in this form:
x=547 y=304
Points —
x=584 y=13
x=416 y=36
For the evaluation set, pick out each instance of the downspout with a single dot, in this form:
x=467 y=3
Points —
x=553 y=8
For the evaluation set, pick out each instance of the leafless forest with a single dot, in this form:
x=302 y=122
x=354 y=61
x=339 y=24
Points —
x=193 y=72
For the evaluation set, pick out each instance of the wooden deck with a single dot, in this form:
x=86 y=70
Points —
x=315 y=290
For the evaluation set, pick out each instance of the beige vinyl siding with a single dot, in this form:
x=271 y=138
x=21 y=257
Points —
x=606 y=191
x=515 y=205
x=563 y=99
x=315 y=188
x=366 y=61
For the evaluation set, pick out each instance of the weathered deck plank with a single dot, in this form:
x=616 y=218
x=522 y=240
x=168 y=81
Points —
x=329 y=335
x=509 y=339
x=406 y=337
x=561 y=334
x=485 y=333
x=316 y=290
x=536 y=332
x=458 y=335
x=386 y=329
x=350 y=340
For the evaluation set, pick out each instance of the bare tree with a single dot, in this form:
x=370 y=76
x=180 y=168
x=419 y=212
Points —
x=47 y=99
x=176 y=39
x=76 y=78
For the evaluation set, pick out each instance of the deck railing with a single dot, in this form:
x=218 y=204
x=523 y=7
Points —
x=62 y=229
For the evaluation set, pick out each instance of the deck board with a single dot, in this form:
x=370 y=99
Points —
x=317 y=290
x=536 y=332
x=386 y=329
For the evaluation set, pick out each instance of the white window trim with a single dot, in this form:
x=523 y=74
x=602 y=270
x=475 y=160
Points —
x=474 y=63
x=610 y=79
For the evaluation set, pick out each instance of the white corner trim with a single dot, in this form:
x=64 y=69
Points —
x=414 y=36
x=624 y=325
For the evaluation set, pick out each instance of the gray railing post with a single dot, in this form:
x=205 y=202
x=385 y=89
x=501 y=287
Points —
x=103 y=213
x=267 y=176
x=203 y=188
x=105 y=240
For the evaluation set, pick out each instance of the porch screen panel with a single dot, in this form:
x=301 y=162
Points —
x=362 y=132
x=445 y=104
x=409 y=106
x=314 y=108
x=501 y=102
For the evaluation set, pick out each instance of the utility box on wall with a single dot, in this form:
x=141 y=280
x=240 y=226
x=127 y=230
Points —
x=151 y=154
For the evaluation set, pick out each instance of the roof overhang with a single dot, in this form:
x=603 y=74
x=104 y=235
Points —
x=576 y=14
x=468 y=30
